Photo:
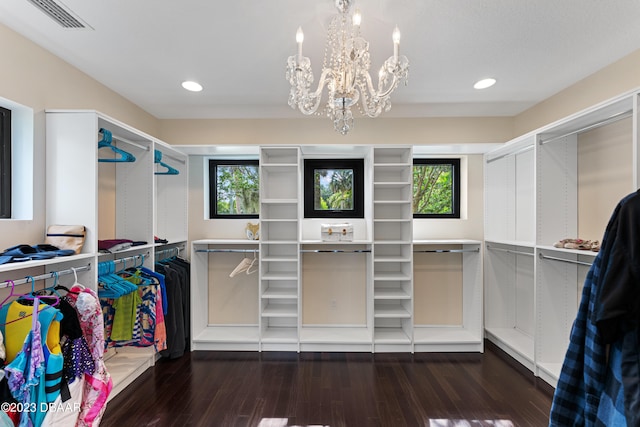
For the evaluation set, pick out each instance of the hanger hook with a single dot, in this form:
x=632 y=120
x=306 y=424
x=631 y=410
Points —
x=55 y=278
x=33 y=283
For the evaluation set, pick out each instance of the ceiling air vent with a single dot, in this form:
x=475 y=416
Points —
x=59 y=13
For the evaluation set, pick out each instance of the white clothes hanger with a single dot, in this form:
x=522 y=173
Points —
x=246 y=266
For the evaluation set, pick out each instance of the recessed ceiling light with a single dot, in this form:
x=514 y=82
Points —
x=192 y=86
x=484 y=83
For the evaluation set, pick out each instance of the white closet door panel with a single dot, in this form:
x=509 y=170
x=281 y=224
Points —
x=525 y=230
x=72 y=186
x=524 y=294
x=497 y=200
x=500 y=290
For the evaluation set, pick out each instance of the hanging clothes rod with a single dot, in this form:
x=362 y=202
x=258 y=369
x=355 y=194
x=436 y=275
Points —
x=444 y=251
x=608 y=120
x=570 y=261
x=135 y=144
x=520 y=151
x=45 y=276
x=510 y=251
x=241 y=251
x=126 y=259
x=175 y=249
x=169 y=156
x=336 y=251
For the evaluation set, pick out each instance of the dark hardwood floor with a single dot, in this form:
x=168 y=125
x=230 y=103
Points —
x=334 y=389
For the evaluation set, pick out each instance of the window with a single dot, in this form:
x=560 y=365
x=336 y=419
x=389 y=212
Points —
x=436 y=188
x=334 y=188
x=5 y=163
x=234 y=189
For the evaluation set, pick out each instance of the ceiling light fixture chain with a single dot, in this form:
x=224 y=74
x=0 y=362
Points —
x=345 y=73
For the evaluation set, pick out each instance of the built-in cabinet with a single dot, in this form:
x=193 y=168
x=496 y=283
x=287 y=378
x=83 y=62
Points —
x=357 y=295
x=561 y=181
x=133 y=200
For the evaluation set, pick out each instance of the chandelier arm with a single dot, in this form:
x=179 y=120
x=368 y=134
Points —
x=316 y=96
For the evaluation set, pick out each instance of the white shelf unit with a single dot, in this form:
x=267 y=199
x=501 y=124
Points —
x=447 y=295
x=279 y=309
x=112 y=200
x=392 y=257
x=577 y=177
x=223 y=309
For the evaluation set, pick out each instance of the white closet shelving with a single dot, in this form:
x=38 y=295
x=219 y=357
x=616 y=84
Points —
x=221 y=307
x=358 y=295
x=279 y=248
x=113 y=200
x=392 y=249
x=448 y=295
x=560 y=181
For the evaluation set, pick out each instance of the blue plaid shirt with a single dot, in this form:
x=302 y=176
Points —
x=590 y=389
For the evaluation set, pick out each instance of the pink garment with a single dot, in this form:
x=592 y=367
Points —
x=97 y=387
x=160 y=333
x=87 y=305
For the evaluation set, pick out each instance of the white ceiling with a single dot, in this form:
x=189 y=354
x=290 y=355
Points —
x=238 y=49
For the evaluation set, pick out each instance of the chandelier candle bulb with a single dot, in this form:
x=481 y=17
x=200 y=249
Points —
x=396 y=42
x=357 y=18
x=299 y=39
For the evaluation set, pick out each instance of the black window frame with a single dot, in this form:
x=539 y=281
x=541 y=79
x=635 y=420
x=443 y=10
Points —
x=213 y=185
x=456 y=196
x=357 y=165
x=5 y=163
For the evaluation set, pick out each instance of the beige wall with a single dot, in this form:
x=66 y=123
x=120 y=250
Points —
x=603 y=179
x=31 y=76
x=620 y=77
x=315 y=131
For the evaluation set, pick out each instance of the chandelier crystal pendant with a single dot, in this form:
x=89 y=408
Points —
x=345 y=73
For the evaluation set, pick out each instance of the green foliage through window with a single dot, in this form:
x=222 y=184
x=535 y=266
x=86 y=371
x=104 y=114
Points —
x=436 y=188
x=234 y=189
x=333 y=189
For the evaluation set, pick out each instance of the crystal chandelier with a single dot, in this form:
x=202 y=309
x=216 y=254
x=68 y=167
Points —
x=345 y=73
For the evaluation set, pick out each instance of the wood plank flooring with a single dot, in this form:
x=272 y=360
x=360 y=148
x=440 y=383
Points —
x=334 y=389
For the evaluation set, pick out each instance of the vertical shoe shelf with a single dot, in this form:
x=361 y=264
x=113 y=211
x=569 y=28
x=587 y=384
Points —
x=392 y=249
x=279 y=248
